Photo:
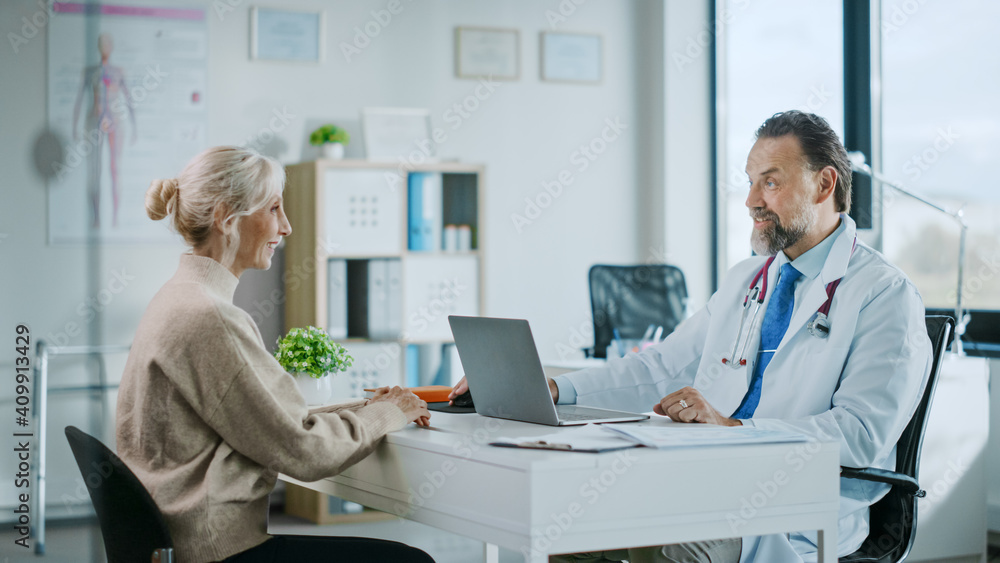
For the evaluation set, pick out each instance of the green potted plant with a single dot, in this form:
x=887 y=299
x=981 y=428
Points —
x=331 y=140
x=312 y=357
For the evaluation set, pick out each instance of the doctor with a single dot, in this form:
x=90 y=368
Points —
x=837 y=350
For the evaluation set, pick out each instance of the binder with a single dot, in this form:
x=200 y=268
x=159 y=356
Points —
x=336 y=298
x=378 y=299
x=412 y=365
x=394 y=302
x=428 y=363
x=451 y=366
x=357 y=302
x=424 y=209
x=374 y=300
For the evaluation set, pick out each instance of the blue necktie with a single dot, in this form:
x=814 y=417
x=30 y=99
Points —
x=772 y=330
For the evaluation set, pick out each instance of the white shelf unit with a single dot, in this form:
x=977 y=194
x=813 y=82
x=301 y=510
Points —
x=357 y=211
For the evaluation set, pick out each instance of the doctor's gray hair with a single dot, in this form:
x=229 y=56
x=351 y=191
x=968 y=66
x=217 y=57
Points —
x=221 y=183
x=820 y=145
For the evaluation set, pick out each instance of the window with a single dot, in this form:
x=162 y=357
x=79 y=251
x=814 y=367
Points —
x=940 y=138
x=775 y=55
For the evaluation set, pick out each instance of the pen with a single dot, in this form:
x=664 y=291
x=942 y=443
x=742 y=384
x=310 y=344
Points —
x=618 y=343
x=656 y=335
x=543 y=445
x=649 y=332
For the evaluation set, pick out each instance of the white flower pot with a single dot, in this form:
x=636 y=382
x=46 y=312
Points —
x=334 y=151
x=315 y=391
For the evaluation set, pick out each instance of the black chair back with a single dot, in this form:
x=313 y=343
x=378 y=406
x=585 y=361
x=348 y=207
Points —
x=630 y=298
x=893 y=519
x=131 y=523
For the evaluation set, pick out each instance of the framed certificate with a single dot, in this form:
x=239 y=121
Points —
x=483 y=52
x=571 y=57
x=286 y=35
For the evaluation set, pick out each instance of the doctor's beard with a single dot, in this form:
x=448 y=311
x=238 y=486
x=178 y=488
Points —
x=769 y=240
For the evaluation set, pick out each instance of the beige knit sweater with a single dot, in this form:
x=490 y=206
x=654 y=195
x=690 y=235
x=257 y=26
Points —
x=207 y=418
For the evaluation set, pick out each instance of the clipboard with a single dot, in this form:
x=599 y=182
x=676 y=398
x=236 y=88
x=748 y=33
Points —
x=590 y=438
x=543 y=445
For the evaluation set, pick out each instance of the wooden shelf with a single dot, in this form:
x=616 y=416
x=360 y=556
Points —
x=315 y=507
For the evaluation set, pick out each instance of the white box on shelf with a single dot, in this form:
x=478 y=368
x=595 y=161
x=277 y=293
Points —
x=438 y=286
x=363 y=212
x=376 y=364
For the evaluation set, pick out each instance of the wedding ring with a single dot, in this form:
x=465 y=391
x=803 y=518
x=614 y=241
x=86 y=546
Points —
x=683 y=404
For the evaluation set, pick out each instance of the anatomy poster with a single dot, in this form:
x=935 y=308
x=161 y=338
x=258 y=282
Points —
x=126 y=94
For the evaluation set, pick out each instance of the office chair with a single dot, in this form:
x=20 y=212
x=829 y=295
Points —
x=630 y=298
x=893 y=520
x=131 y=523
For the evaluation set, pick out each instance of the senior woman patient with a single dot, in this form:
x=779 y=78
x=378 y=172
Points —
x=206 y=416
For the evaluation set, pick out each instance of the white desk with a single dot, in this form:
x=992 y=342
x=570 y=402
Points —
x=543 y=502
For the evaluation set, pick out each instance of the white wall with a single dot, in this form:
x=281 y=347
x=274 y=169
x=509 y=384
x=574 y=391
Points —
x=688 y=203
x=525 y=134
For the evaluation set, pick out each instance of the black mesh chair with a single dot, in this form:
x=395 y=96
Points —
x=131 y=523
x=893 y=520
x=630 y=298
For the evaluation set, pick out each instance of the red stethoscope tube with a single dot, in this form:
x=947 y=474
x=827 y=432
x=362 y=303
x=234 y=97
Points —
x=755 y=297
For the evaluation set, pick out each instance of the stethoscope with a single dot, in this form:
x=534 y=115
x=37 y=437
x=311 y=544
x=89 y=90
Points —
x=819 y=326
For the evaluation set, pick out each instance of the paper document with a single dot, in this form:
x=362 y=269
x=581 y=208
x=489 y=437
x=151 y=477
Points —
x=687 y=436
x=587 y=438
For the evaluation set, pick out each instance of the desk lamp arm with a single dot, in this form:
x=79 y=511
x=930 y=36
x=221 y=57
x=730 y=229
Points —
x=858 y=165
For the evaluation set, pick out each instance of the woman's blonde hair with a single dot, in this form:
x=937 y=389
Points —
x=234 y=181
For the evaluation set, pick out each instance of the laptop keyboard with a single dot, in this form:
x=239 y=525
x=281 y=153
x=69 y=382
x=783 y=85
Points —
x=569 y=412
x=575 y=416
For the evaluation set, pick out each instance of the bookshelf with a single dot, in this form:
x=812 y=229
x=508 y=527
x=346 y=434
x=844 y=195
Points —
x=350 y=268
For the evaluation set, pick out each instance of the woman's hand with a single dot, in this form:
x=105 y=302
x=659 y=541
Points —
x=412 y=406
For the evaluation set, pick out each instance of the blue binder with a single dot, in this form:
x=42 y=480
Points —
x=412 y=365
x=424 y=211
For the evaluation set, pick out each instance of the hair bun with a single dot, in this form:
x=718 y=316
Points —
x=161 y=198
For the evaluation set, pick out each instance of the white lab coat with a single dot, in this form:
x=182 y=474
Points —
x=859 y=387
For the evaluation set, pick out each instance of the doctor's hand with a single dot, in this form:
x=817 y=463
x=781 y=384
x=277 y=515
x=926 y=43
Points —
x=413 y=407
x=688 y=405
x=461 y=387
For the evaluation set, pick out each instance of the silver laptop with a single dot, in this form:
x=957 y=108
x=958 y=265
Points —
x=506 y=379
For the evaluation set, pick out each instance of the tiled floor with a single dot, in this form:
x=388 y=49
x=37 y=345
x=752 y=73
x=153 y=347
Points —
x=80 y=541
